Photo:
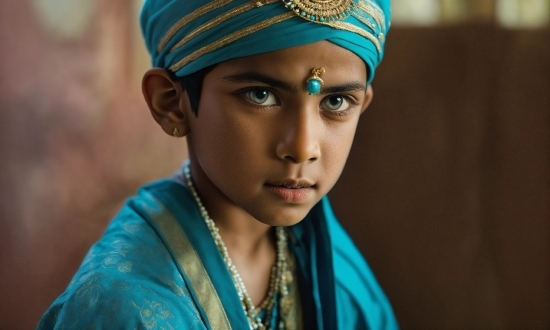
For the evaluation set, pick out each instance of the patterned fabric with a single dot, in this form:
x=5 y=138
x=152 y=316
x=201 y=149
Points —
x=157 y=267
x=184 y=36
x=128 y=280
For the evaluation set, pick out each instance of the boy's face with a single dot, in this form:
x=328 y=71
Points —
x=261 y=145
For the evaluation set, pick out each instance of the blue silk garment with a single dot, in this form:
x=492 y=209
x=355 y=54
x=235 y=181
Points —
x=157 y=267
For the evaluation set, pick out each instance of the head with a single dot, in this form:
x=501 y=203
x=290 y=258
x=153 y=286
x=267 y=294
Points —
x=260 y=142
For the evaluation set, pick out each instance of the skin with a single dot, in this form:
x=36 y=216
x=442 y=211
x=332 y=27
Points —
x=263 y=152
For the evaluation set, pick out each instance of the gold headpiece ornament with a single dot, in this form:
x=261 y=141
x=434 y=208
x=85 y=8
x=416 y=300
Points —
x=322 y=10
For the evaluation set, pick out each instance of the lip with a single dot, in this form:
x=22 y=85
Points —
x=291 y=190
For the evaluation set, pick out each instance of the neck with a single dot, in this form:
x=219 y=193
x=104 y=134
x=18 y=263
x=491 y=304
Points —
x=250 y=244
x=243 y=237
x=240 y=231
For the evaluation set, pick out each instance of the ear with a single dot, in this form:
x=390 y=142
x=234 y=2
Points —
x=164 y=97
x=369 y=94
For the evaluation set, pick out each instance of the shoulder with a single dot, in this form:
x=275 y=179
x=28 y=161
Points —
x=102 y=301
x=128 y=280
x=361 y=302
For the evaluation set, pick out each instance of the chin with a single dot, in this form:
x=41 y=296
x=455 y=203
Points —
x=284 y=218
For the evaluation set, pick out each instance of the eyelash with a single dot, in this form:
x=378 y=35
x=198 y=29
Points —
x=243 y=94
x=342 y=113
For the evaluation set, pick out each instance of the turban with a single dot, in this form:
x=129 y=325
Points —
x=185 y=36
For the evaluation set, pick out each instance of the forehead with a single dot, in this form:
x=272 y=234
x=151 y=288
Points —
x=292 y=63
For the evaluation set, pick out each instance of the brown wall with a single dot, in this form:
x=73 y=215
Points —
x=446 y=189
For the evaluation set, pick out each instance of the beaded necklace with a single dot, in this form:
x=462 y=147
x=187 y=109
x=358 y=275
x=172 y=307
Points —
x=281 y=276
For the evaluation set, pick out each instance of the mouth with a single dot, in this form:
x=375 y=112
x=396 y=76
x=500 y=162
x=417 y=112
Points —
x=291 y=190
x=291 y=184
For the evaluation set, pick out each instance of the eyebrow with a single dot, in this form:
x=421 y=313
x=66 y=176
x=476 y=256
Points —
x=252 y=77
x=348 y=87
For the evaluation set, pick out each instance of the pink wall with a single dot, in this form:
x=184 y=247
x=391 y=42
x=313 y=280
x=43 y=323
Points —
x=75 y=140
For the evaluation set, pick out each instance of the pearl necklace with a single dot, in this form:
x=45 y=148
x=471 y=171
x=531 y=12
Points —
x=281 y=277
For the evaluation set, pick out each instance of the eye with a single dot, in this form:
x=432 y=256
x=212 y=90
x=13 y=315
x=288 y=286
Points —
x=261 y=96
x=335 y=103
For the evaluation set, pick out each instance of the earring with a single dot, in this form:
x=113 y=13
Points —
x=176 y=132
x=314 y=83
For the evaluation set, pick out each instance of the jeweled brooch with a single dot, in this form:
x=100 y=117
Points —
x=321 y=10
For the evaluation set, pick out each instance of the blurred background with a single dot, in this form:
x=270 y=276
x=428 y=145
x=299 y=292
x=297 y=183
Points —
x=446 y=190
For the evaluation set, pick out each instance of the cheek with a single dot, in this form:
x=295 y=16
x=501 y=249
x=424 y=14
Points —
x=336 y=150
x=227 y=137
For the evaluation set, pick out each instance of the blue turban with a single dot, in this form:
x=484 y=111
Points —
x=185 y=36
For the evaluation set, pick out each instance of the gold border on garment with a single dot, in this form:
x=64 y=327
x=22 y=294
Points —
x=291 y=309
x=190 y=262
x=218 y=20
x=364 y=20
x=188 y=18
x=229 y=39
x=374 y=12
x=352 y=28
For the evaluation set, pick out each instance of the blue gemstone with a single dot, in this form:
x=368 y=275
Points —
x=312 y=17
x=303 y=13
x=322 y=19
x=313 y=86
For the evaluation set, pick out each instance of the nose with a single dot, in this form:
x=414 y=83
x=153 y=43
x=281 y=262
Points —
x=299 y=142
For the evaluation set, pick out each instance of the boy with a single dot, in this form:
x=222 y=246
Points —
x=268 y=94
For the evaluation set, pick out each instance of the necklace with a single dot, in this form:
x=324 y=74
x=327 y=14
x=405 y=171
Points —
x=281 y=276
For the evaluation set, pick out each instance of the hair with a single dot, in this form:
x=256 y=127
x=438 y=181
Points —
x=192 y=84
